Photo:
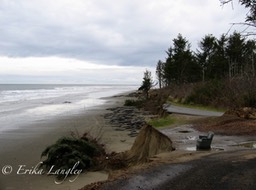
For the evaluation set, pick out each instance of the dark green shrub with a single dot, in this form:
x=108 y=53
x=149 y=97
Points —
x=206 y=94
x=250 y=99
x=136 y=103
x=67 y=151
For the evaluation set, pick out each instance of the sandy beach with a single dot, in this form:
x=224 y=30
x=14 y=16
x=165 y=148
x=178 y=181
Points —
x=21 y=148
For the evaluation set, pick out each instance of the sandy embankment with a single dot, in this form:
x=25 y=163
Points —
x=24 y=147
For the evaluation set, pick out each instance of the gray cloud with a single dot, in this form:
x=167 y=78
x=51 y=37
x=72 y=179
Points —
x=127 y=32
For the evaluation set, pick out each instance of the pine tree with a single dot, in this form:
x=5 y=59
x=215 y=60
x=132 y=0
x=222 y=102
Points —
x=236 y=53
x=180 y=66
x=147 y=83
x=204 y=56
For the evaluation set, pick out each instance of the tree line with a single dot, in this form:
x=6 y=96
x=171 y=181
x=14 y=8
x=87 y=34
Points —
x=214 y=61
x=215 y=58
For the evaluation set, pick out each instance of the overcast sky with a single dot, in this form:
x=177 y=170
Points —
x=100 y=41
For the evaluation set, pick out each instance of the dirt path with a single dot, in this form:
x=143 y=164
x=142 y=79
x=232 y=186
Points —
x=190 y=111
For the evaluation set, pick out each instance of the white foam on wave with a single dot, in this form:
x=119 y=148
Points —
x=23 y=107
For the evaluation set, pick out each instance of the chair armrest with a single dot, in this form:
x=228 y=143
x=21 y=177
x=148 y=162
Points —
x=202 y=137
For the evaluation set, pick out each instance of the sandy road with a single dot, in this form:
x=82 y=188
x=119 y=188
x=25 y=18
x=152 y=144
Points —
x=225 y=170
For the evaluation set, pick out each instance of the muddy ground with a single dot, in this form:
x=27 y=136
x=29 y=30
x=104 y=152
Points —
x=230 y=164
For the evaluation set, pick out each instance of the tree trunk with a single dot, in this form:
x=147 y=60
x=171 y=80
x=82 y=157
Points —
x=253 y=68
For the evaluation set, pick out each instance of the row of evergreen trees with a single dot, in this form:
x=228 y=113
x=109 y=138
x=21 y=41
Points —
x=215 y=58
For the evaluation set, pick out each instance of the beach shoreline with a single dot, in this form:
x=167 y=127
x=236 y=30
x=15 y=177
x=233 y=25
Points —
x=23 y=147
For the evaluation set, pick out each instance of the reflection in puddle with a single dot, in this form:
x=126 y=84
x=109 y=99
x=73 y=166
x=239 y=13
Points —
x=191 y=138
x=193 y=148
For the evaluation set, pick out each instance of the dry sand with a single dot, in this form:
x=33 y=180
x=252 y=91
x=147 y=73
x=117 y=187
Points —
x=22 y=148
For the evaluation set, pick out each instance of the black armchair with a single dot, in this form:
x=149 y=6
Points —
x=204 y=142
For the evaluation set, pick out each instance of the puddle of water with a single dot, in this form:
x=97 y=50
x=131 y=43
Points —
x=193 y=148
x=191 y=138
x=184 y=131
x=217 y=149
x=248 y=144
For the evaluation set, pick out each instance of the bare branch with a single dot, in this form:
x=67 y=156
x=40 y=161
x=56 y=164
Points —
x=250 y=20
x=245 y=23
x=225 y=2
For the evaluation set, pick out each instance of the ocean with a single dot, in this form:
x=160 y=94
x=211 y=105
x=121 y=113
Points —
x=24 y=104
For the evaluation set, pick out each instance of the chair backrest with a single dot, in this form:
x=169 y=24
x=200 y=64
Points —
x=210 y=135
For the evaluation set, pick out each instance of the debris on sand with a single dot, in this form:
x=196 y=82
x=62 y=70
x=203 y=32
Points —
x=246 y=112
x=126 y=118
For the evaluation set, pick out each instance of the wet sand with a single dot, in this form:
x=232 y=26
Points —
x=22 y=148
